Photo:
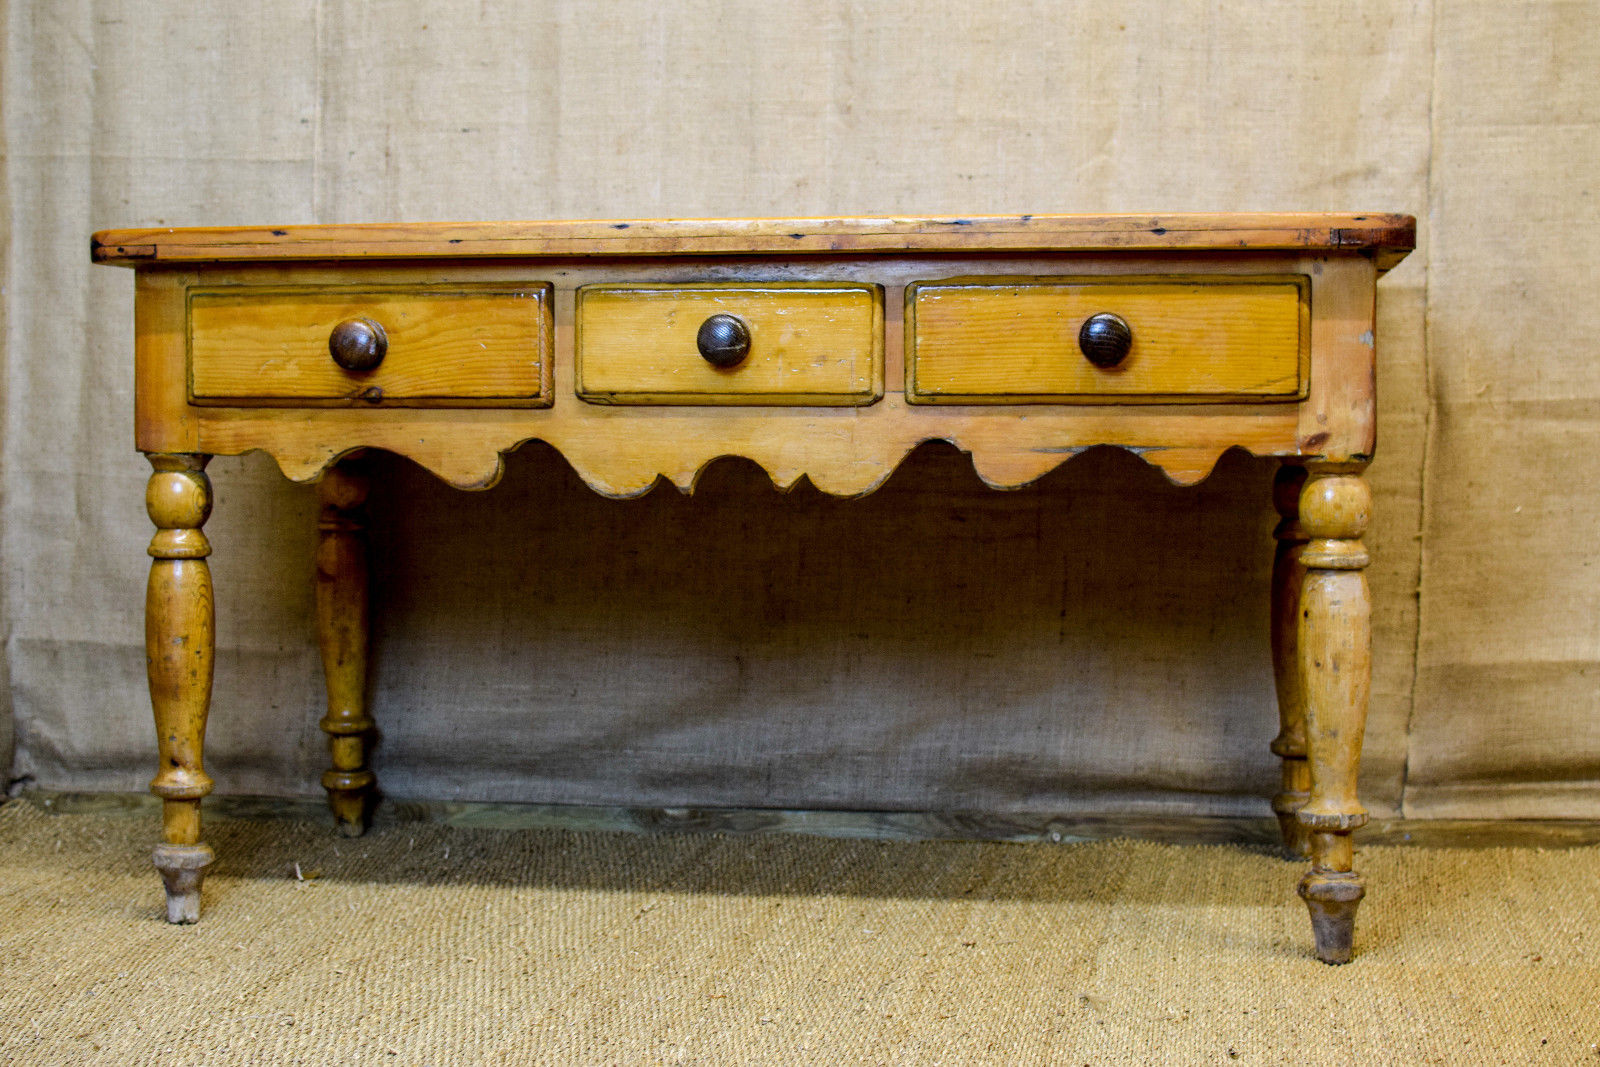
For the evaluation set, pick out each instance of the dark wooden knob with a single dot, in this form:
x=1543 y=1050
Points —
x=1105 y=339
x=724 y=340
x=358 y=344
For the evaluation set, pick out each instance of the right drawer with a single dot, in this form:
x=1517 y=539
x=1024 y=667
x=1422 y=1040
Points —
x=1129 y=340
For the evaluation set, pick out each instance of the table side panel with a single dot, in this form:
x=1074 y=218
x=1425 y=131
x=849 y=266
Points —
x=1338 y=421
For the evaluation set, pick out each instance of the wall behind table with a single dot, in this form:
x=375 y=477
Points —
x=1095 y=641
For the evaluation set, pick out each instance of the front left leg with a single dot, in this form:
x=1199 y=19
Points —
x=180 y=648
x=1335 y=637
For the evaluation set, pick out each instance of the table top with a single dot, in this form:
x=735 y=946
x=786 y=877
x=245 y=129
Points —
x=1386 y=237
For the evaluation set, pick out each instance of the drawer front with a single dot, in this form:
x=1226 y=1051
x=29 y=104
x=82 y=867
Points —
x=807 y=344
x=457 y=346
x=1018 y=340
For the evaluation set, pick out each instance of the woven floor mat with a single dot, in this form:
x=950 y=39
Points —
x=426 y=944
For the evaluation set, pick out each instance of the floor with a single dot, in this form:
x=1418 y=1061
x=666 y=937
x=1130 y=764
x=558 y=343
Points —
x=484 y=934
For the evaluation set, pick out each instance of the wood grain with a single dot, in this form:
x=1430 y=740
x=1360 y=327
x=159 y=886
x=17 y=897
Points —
x=445 y=344
x=1385 y=237
x=810 y=343
x=1004 y=341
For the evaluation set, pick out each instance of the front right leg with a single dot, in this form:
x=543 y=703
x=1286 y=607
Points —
x=1335 y=639
x=180 y=647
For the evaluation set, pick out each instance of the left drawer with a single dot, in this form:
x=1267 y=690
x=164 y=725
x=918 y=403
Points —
x=421 y=346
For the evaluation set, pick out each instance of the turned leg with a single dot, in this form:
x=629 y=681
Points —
x=1335 y=637
x=1288 y=574
x=180 y=643
x=342 y=637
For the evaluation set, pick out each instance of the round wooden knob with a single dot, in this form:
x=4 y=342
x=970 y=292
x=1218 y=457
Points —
x=724 y=340
x=358 y=344
x=1105 y=339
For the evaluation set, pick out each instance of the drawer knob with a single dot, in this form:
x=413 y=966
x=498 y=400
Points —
x=1105 y=339
x=358 y=344
x=724 y=340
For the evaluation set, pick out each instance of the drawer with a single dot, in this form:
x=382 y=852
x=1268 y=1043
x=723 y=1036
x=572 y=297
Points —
x=781 y=343
x=1160 y=340
x=478 y=345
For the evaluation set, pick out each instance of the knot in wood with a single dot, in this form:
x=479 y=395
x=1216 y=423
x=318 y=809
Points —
x=178 y=500
x=1335 y=506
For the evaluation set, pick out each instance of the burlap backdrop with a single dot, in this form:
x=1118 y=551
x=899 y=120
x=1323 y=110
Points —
x=1095 y=641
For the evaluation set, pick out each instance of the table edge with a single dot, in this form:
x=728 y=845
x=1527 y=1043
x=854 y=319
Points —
x=1386 y=237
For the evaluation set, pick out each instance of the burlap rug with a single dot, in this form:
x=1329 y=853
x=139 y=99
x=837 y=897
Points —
x=429 y=944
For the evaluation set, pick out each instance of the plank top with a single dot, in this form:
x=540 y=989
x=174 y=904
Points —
x=1386 y=237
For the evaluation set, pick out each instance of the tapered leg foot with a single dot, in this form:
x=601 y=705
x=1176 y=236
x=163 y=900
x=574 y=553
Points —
x=1332 y=900
x=350 y=796
x=183 y=868
x=342 y=639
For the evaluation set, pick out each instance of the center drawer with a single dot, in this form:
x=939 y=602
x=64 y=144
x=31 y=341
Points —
x=777 y=343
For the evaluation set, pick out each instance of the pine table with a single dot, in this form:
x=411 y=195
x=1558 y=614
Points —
x=823 y=348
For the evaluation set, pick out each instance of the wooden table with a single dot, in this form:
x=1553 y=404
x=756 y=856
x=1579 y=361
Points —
x=824 y=348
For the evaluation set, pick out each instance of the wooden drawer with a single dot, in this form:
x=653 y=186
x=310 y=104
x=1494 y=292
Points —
x=477 y=345
x=1193 y=340
x=808 y=344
